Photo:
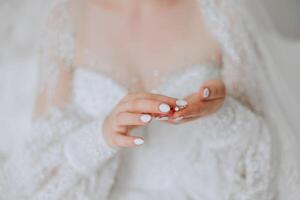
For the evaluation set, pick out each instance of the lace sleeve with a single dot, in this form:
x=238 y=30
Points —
x=63 y=151
x=57 y=54
x=57 y=47
x=251 y=75
x=65 y=147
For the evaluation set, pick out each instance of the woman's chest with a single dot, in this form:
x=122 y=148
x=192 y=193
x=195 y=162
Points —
x=141 y=56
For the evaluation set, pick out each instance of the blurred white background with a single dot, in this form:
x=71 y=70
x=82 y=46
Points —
x=20 y=26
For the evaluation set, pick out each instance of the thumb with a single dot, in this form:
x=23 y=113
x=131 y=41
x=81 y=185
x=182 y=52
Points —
x=212 y=90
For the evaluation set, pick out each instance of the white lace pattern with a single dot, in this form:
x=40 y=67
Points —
x=228 y=155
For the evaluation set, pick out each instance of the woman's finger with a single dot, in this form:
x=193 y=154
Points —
x=133 y=96
x=212 y=90
x=120 y=140
x=145 y=106
x=133 y=119
x=198 y=108
x=195 y=106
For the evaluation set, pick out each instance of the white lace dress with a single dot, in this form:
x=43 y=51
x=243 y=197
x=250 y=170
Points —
x=227 y=155
x=223 y=156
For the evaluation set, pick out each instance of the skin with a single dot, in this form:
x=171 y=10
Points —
x=142 y=18
x=126 y=115
x=139 y=41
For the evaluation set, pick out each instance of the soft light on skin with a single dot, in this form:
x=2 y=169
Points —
x=162 y=118
x=143 y=25
x=133 y=4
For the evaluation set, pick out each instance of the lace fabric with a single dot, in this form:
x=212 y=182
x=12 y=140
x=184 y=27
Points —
x=59 y=170
x=244 y=50
x=57 y=46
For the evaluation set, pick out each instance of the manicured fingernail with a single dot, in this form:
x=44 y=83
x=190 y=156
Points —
x=178 y=119
x=162 y=118
x=181 y=103
x=139 y=141
x=176 y=109
x=145 y=118
x=206 y=93
x=165 y=108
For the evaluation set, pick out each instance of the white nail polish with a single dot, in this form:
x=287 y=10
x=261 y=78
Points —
x=178 y=119
x=162 y=118
x=164 y=108
x=206 y=93
x=181 y=103
x=139 y=141
x=176 y=109
x=145 y=118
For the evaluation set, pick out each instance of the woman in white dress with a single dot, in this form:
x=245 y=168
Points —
x=132 y=105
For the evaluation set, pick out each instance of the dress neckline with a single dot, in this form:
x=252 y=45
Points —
x=178 y=73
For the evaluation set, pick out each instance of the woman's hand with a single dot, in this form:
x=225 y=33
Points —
x=135 y=110
x=139 y=109
x=205 y=102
